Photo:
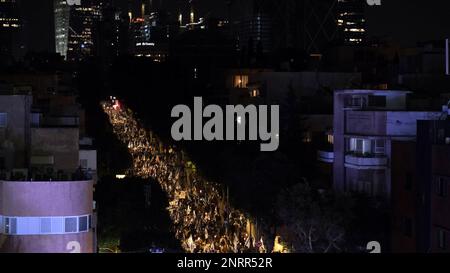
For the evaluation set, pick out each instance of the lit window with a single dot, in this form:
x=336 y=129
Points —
x=254 y=93
x=360 y=146
x=330 y=139
x=240 y=81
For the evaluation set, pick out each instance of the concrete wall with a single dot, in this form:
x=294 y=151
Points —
x=46 y=199
x=405 y=123
x=14 y=139
x=62 y=143
x=365 y=123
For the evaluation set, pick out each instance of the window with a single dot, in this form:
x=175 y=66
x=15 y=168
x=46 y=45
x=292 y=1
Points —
x=10 y=225
x=359 y=145
x=83 y=223
x=377 y=101
x=83 y=163
x=70 y=224
x=407 y=227
x=408 y=181
x=355 y=102
x=442 y=239
x=7 y=225
x=90 y=221
x=380 y=146
x=240 y=81
x=441 y=188
x=35 y=119
x=46 y=225
x=3 y=120
x=330 y=139
x=254 y=93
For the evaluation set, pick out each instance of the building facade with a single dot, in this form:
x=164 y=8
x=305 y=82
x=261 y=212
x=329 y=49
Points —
x=351 y=21
x=420 y=197
x=365 y=124
x=74 y=28
x=47 y=217
x=10 y=25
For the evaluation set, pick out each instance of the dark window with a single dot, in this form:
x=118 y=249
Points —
x=7 y=225
x=70 y=224
x=442 y=239
x=83 y=223
x=441 y=188
x=407 y=227
x=377 y=101
x=408 y=181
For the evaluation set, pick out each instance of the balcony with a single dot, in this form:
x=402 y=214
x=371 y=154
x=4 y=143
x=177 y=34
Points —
x=325 y=156
x=366 y=162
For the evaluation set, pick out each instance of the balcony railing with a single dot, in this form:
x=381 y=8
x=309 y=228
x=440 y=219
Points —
x=325 y=156
x=368 y=161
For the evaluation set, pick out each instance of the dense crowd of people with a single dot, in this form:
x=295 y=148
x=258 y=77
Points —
x=203 y=220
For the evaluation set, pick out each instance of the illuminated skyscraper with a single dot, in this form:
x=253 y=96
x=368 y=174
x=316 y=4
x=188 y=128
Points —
x=9 y=26
x=62 y=17
x=351 y=21
x=74 y=27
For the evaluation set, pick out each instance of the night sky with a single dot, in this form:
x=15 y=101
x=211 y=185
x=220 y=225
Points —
x=404 y=21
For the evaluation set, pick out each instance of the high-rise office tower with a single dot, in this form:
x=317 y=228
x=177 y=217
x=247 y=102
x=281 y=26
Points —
x=74 y=27
x=351 y=21
x=10 y=25
x=308 y=25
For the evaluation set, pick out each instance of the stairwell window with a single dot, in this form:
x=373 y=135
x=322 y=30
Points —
x=70 y=224
x=83 y=223
x=46 y=225
x=10 y=225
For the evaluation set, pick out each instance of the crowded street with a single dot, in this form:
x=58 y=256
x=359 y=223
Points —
x=201 y=215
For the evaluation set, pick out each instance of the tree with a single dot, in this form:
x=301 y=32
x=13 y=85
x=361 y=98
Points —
x=316 y=222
